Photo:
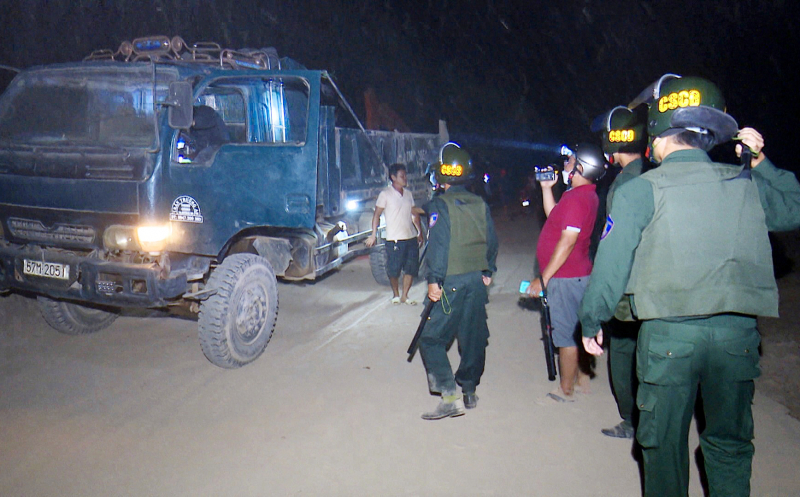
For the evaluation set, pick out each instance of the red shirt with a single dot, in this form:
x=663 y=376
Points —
x=576 y=211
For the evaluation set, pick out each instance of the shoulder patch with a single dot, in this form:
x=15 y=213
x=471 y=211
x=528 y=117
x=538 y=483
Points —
x=608 y=227
x=432 y=219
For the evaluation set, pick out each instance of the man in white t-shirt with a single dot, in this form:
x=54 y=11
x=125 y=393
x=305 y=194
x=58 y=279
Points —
x=403 y=233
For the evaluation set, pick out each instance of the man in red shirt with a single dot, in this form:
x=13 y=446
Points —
x=563 y=253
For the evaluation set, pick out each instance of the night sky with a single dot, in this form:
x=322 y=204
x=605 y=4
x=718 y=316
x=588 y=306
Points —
x=506 y=75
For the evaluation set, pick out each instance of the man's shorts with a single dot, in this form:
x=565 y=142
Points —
x=402 y=255
x=564 y=296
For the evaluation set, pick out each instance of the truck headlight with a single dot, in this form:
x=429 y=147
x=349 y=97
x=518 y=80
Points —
x=120 y=238
x=154 y=238
x=151 y=238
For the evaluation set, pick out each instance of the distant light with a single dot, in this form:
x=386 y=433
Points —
x=486 y=178
x=526 y=203
x=352 y=205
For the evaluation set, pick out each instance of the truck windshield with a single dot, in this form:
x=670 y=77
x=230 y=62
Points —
x=94 y=106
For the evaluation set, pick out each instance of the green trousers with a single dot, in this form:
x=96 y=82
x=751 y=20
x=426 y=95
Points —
x=673 y=361
x=461 y=314
x=622 y=336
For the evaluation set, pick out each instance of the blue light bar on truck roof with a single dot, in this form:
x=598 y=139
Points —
x=151 y=45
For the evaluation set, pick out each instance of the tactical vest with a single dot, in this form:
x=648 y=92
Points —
x=467 y=233
x=706 y=250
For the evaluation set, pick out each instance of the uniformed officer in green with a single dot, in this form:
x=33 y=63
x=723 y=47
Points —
x=461 y=255
x=687 y=243
x=624 y=139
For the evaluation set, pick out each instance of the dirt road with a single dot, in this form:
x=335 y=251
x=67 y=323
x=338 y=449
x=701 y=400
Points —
x=331 y=409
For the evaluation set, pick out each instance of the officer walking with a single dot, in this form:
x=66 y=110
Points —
x=462 y=249
x=687 y=243
x=624 y=139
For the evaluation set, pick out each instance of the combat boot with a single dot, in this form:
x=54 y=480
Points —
x=447 y=408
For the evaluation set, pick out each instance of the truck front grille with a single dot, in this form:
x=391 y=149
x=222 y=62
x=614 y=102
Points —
x=34 y=231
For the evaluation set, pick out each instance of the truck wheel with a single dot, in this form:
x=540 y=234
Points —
x=377 y=263
x=236 y=323
x=74 y=319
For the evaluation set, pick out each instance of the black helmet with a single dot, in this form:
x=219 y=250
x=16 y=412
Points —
x=592 y=160
x=454 y=166
x=691 y=103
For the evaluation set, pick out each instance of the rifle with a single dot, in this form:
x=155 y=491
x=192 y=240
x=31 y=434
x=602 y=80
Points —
x=425 y=314
x=547 y=335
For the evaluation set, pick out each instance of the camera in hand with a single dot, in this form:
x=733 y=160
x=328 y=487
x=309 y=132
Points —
x=545 y=173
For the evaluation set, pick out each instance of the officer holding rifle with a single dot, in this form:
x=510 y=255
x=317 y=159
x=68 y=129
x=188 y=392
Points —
x=462 y=250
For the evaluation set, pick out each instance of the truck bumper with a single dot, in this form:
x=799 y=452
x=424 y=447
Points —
x=90 y=280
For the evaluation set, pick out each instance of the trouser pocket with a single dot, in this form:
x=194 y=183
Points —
x=739 y=361
x=647 y=429
x=665 y=361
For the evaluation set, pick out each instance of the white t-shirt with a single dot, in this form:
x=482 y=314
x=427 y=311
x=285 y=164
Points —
x=397 y=211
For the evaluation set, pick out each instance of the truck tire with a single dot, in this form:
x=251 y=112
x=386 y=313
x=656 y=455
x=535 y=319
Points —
x=377 y=263
x=236 y=323
x=74 y=319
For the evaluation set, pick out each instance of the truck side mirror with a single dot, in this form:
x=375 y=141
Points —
x=180 y=105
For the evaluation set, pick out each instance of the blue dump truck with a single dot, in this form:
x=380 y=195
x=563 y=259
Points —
x=166 y=174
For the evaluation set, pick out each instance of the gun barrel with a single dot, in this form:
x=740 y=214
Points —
x=547 y=341
x=547 y=335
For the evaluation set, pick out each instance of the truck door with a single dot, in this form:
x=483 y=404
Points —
x=264 y=172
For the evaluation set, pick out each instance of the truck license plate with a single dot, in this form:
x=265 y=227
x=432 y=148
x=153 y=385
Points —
x=46 y=269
